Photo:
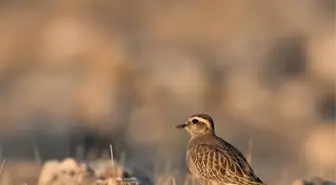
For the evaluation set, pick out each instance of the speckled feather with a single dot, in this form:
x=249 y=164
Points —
x=215 y=161
x=224 y=164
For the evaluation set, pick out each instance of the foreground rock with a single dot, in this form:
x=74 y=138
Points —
x=313 y=181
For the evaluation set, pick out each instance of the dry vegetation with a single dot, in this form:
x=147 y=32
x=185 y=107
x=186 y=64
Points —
x=77 y=76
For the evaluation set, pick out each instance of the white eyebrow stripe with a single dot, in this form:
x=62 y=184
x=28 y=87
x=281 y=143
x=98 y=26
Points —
x=201 y=120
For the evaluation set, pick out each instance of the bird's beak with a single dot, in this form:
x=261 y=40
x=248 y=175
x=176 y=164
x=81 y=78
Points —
x=180 y=126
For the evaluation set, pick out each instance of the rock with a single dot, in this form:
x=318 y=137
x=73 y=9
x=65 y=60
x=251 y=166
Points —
x=65 y=172
x=117 y=181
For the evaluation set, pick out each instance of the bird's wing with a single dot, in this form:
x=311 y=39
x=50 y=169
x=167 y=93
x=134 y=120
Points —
x=226 y=165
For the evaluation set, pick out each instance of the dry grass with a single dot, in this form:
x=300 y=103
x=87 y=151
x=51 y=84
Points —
x=98 y=172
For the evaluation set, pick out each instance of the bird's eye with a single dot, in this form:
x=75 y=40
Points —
x=195 y=121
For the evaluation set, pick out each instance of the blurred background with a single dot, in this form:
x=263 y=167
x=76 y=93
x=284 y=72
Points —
x=77 y=76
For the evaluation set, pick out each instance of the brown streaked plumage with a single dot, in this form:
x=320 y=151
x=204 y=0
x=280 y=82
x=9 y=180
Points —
x=211 y=160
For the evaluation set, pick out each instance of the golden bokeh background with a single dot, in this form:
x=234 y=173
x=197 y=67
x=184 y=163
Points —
x=85 y=74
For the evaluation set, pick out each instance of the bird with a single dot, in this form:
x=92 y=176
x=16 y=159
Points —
x=212 y=160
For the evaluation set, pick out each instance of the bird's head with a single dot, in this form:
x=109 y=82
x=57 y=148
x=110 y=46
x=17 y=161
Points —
x=198 y=124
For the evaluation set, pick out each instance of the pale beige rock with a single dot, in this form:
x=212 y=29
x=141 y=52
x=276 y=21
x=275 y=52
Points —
x=48 y=172
x=61 y=173
x=319 y=150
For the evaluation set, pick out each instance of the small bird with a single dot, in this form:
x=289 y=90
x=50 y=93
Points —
x=211 y=160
